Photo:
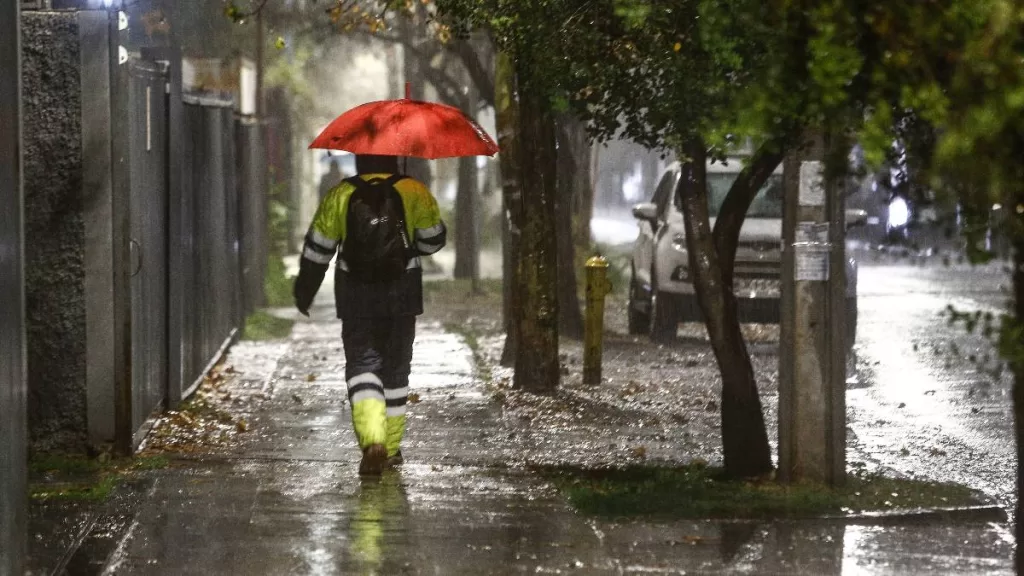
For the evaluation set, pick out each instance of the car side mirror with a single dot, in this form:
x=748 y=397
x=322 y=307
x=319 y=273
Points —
x=646 y=211
x=856 y=218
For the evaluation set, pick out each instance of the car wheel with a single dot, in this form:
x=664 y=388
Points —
x=851 y=323
x=639 y=322
x=664 y=316
x=689 y=309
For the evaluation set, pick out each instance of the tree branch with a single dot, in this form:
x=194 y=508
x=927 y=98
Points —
x=741 y=194
x=478 y=73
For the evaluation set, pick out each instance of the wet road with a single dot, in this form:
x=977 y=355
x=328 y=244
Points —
x=930 y=384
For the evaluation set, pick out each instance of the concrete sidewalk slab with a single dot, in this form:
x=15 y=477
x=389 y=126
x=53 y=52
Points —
x=284 y=497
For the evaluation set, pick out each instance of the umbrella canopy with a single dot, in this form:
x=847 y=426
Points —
x=406 y=127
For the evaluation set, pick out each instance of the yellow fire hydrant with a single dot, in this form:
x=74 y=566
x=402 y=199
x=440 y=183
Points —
x=598 y=287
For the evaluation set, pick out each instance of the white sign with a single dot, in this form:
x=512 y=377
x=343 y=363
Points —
x=811 y=233
x=811 y=251
x=812 y=183
x=811 y=264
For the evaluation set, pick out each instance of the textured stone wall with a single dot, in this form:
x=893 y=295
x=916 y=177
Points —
x=54 y=231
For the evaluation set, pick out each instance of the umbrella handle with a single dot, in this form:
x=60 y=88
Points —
x=408 y=90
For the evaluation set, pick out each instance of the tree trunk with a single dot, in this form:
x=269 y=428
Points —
x=583 y=211
x=467 y=221
x=467 y=249
x=413 y=72
x=507 y=118
x=570 y=316
x=536 y=366
x=734 y=208
x=745 y=446
x=1018 y=383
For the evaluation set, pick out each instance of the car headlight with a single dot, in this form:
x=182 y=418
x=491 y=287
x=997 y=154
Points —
x=679 y=243
x=899 y=212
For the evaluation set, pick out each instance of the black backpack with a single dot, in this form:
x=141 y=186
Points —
x=376 y=247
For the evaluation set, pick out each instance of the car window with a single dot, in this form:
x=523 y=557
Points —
x=664 y=192
x=767 y=203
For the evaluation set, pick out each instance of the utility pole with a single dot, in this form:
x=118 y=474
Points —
x=13 y=376
x=812 y=355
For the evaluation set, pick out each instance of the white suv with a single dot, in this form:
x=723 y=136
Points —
x=661 y=293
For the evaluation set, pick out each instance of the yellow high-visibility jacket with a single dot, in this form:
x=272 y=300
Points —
x=327 y=233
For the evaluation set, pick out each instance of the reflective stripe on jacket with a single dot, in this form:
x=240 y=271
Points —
x=327 y=233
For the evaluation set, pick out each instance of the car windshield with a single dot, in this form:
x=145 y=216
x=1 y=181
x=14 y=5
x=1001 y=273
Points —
x=767 y=203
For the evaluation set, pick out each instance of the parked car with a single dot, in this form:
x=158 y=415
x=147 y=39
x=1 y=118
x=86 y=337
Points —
x=661 y=293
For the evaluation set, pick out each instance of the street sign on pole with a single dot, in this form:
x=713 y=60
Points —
x=812 y=355
x=13 y=377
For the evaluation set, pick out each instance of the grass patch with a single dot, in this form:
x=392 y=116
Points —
x=95 y=491
x=697 y=491
x=78 y=478
x=277 y=285
x=64 y=464
x=261 y=325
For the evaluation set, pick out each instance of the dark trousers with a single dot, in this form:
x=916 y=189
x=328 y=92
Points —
x=383 y=347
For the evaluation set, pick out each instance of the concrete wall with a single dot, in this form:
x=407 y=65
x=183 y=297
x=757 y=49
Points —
x=54 y=230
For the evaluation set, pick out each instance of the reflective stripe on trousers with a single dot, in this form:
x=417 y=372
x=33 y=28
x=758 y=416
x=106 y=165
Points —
x=378 y=359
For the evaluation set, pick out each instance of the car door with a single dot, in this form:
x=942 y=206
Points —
x=643 y=253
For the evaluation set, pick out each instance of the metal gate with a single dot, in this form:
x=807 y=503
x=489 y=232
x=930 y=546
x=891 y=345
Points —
x=12 y=312
x=149 y=212
x=209 y=279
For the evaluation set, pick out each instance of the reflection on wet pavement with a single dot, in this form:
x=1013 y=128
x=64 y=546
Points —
x=285 y=497
x=923 y=406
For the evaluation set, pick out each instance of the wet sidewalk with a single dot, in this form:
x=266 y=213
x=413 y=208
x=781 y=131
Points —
x=283 y=496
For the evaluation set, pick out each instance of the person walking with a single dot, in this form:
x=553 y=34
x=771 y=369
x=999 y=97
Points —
x=379 y=223
x=330 y=180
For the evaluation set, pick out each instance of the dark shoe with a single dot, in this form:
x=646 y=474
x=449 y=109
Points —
x=374 y=458
x=395 y=460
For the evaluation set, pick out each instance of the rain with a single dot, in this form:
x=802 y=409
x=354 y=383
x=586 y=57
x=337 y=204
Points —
x=455 y=287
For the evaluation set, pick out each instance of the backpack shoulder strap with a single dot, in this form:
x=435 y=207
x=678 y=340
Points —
x=357 y=182
x=394 y=179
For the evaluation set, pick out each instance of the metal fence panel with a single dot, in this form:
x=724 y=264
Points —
x=149 y=215
x=12 y=312
x=209 y=240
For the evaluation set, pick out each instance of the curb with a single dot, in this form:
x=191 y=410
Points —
x=980 y=513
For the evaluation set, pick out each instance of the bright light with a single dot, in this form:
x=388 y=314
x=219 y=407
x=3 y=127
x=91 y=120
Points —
x=899 y=212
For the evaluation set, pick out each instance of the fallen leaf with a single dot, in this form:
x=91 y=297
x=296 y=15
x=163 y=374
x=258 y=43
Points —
x=414 y=398
x=311 y=378
x=242 y=426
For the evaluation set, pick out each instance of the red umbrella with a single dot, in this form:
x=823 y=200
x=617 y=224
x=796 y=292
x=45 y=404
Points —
x=406 y=128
